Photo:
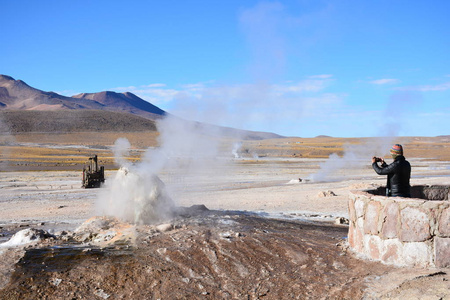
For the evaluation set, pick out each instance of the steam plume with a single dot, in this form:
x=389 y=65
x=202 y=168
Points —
x=355 y=156
x=136 y=193
x=359 y=156
x=120 y=149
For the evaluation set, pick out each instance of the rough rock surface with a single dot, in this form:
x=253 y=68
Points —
x=208 y=255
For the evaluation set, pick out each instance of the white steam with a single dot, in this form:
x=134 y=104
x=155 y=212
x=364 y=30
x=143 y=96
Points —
x=236 y=149
x=138 y=197
x=398 y=107
x=121 y=149
x=136 y=193
x=355 y=156
x=23 y=237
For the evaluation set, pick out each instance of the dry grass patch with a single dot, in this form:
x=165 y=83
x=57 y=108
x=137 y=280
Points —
x=420 y=147
x=142 y=140
x=67 y=151
x=38 y=151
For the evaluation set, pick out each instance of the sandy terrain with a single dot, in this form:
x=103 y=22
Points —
x=269 y=187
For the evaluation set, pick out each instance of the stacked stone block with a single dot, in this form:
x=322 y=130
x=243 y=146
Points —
x=400 y=231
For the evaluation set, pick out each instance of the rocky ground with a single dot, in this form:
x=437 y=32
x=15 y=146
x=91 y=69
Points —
x=266 y=235
x=210 y=255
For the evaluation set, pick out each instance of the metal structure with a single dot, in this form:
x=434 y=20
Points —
x=93 y=176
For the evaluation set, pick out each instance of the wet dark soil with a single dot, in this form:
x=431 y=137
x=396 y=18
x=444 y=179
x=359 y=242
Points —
x=208 y=256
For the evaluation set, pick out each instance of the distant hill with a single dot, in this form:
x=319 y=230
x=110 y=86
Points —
x=27 y=109
x=125 y=102
x=62 y=121
x=84 y=120
x=16 y=94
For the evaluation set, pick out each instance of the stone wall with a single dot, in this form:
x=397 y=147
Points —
x=402 y=231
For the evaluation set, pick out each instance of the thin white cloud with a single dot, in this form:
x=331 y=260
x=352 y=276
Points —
x=155 y=85
x=67 y=93
x=427 y=88
x=300 y=87
x=384 y=81
x=259 y=106
x=124 y=88
x=323 y=76
x=206 y=96
x=156 y=93
x=196 y=87
x=157 y=96
x=256 y=106
x=161 y=94
x=193 y=86
x=303 y=86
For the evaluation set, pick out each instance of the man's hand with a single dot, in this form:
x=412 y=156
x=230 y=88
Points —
x=377 y=159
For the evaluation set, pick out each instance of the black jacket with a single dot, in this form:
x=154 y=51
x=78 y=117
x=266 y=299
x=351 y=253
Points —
x=399 y=173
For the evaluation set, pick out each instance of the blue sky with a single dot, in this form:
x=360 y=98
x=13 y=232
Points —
x=297 y=68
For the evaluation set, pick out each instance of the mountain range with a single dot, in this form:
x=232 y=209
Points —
x=17 y=95
x=26 y=109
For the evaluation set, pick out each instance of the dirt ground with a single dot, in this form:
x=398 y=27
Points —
x=214 y=255
x=266 y=235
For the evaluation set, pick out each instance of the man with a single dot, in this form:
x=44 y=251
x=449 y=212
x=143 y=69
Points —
x=398 y=172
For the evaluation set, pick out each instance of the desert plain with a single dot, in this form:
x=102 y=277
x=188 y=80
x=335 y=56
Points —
x=264 y=220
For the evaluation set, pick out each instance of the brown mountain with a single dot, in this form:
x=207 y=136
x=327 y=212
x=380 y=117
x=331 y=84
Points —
x=125 y=102
x=88 y=112
x=16 y=94
x=66 y=121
